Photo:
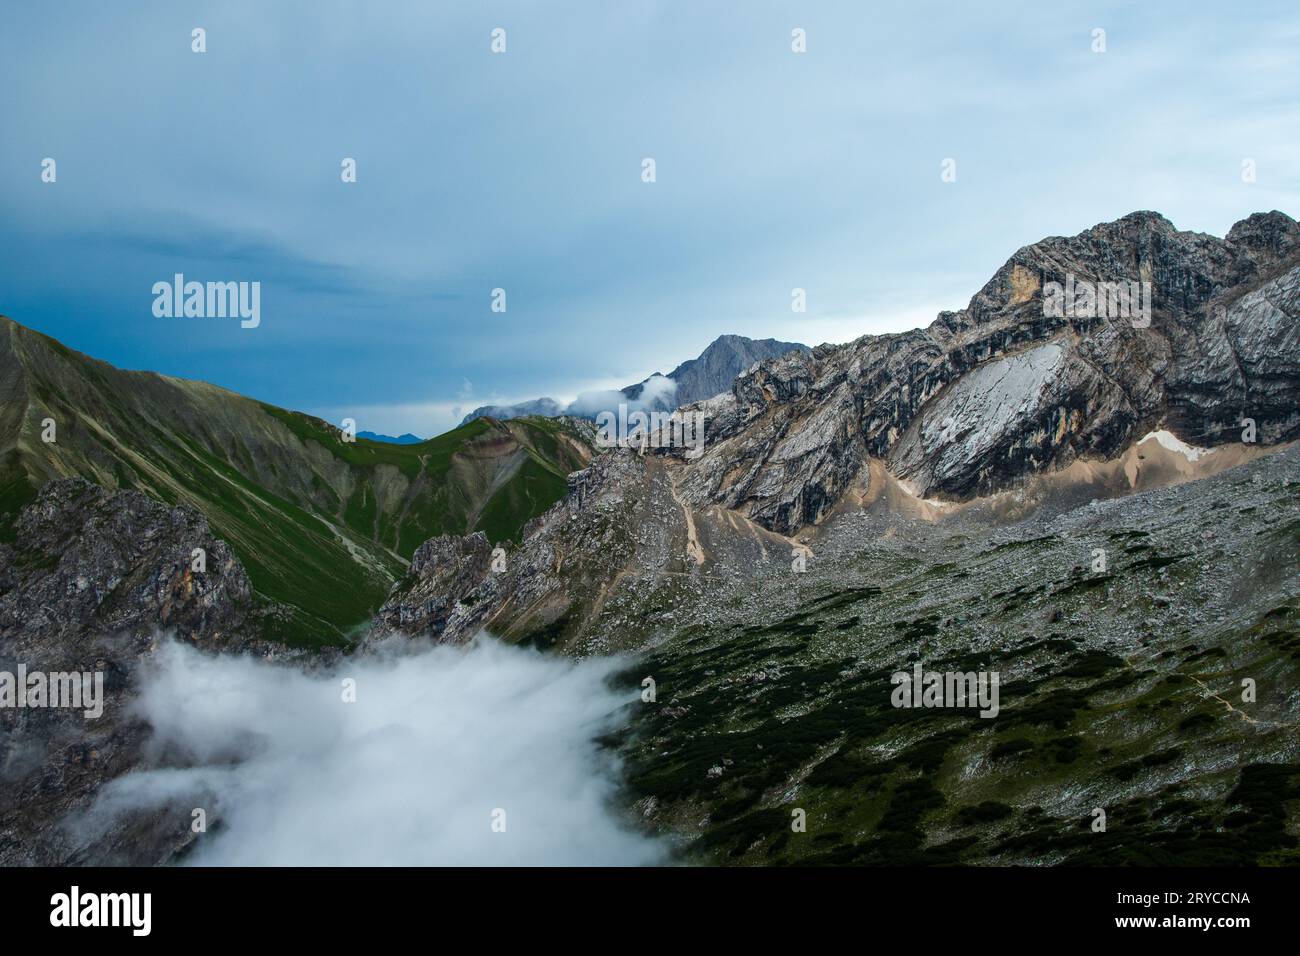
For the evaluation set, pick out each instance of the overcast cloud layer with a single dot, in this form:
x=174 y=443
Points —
x=522 y=171
x=410 y=774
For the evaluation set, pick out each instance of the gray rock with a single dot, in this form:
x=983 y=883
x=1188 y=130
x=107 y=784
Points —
x=91 y=582
x=1000 y=390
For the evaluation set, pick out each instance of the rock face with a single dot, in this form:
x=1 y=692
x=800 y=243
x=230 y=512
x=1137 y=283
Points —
x=86 y=559
x=1004 y=388
x=90 y=581
x=445 y=570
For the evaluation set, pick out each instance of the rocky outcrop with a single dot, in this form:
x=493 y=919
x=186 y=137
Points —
x=86 y=560
x=90 y=583
x=453 y=589
x=599 y=572
x=444 y=571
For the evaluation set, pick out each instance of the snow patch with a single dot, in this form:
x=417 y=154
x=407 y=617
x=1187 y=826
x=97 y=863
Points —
x=1171 y=442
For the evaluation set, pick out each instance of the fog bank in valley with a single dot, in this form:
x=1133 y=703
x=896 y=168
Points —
x=438 y=742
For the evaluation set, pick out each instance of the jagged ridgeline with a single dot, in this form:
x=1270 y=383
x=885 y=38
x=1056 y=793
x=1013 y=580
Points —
x=322 y=525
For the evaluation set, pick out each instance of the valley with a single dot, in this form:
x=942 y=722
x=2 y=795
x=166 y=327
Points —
x=1104 y=517
x=324 y=526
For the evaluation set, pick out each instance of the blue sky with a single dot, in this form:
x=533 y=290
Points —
x=522 y=171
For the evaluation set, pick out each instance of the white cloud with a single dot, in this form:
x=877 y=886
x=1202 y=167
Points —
x=658 y=391
x=409 y=774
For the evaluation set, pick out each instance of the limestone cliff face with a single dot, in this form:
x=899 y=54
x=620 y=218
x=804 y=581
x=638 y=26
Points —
x=1002 y=389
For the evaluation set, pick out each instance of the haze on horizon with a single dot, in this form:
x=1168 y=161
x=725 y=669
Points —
x=522 y=171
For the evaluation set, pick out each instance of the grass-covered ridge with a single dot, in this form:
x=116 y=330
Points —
x=322 y=525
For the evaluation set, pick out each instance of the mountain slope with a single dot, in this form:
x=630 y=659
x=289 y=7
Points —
x=999 y=406
x=1063 y=502
x=322 y=525
x=1119 y=689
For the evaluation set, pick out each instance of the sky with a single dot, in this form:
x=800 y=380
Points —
x=522 y=170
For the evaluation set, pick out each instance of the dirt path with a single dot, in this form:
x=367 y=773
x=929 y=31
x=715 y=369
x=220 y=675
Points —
x=692 y=542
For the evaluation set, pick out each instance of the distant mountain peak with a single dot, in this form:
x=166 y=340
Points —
x=404 y=439
x=545 y=407
x=711 y=372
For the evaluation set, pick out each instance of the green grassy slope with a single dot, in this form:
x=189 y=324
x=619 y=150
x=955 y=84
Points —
x=322 y=525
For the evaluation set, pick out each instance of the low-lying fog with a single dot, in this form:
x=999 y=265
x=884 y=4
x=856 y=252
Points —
x=416 y=771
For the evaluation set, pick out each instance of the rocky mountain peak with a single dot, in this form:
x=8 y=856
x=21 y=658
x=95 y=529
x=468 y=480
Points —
x=718 y=365
x=1007 y=388
x=1267 y=232
x=711 y=372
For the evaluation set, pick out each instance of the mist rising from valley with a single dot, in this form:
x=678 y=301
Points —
x=415 y=771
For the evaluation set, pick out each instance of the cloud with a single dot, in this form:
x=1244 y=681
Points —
x=410 y=774
x=657 y=392
x=818 y=171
